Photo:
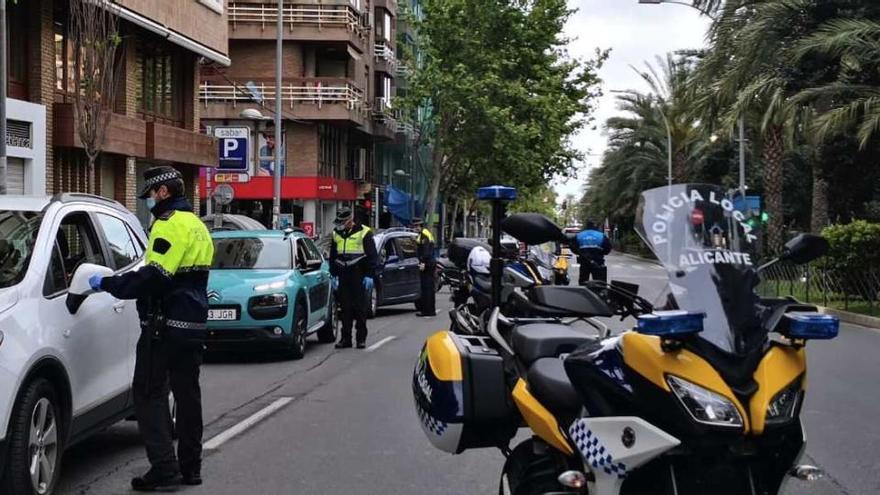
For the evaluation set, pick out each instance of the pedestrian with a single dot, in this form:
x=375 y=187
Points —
x=592 y=246
x=172 y=304
x=427 y=269
x=354 y=263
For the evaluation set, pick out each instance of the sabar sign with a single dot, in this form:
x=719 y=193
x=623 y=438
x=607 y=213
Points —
x=234 y=143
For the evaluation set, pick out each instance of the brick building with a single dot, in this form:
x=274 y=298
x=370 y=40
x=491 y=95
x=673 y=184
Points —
x=156 y=117
x=337 y=95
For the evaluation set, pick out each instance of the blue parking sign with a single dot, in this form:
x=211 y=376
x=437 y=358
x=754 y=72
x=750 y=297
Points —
x=234 y=143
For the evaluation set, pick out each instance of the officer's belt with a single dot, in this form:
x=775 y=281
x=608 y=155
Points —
x=350 y=262
x=184 y=325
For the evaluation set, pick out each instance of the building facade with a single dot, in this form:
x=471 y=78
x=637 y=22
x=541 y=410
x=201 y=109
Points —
x=337 y=98
x=165 y=46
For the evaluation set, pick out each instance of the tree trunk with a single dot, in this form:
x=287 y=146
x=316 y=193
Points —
x=819 y=218
x=679 y=168
x=91 y=180
x=773 y=156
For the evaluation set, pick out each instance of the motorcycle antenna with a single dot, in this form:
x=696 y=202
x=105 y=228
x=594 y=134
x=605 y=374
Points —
x=499 y=196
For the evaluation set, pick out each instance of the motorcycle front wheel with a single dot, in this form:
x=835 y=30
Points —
x=532 y=469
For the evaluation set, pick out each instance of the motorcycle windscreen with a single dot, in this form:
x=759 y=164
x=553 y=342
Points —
x=709 y=252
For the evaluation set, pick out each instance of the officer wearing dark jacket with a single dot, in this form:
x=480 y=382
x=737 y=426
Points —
x=354 y=262
x=173 y=308
x=592 y=247
x=427 y=269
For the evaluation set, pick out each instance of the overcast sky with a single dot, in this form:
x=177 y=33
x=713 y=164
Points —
x=634 y=33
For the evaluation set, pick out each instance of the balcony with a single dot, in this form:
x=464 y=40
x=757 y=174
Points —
x=173 y=144
x=124 y=135
x=385 y=60
x=325 y=99
x=330 y=22
x=384 y=118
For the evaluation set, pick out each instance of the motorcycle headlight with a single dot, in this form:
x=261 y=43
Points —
x=705 y=406
x=784 y=404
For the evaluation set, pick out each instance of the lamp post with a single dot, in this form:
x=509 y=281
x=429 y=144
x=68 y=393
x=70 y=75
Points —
x=668 y=144
x=279 y=53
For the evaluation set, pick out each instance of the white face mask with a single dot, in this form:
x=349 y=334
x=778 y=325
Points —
x=151 y=203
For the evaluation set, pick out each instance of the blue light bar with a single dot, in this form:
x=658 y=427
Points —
x=812 y=326
x=503 y=193
x=671 y=323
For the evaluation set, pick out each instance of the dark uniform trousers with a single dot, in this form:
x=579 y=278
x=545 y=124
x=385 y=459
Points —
x=169 y=361
x=592 y=268
x=354 y=305
x=428 y=302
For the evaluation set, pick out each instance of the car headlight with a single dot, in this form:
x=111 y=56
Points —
x=268 y=307
x=705 y=406
x=784 y=404
x=272 y=286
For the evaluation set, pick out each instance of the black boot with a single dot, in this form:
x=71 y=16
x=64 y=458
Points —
x=156 y=481
x=342 y=344
x=192 y=478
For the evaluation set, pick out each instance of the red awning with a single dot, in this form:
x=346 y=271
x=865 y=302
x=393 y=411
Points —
x=326 y=188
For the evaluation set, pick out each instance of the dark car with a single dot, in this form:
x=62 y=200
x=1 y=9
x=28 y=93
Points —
x=399 y=281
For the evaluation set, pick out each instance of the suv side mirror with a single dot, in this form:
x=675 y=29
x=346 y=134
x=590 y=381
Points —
x=79 y=288
x=805 y=248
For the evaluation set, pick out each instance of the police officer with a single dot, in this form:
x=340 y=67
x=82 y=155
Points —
x=173 y=308
x=592 y=247
x=427 y=269
x=354 y=263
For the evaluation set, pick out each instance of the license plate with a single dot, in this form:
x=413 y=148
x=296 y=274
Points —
x=222 y=314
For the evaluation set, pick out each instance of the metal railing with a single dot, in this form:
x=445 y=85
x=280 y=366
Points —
x=384 y=113
x=320 y=15
x=383 y=52
x=318 y=91
x=819 y=283
x=402 y=70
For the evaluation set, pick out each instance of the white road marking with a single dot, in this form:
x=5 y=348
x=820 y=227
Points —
x=248 y=423
x=380 y=343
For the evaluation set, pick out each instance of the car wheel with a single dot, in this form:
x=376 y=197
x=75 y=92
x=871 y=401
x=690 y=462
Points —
x=35 y=447
x=298 y=333
x=328 y=333
x=372 y=303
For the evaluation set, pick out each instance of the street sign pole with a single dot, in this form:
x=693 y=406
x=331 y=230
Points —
x=279 y=52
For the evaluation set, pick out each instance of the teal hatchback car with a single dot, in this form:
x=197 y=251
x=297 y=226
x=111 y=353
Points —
x=268 y=290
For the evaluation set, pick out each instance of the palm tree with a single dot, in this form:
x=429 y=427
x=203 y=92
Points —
x=746 y=71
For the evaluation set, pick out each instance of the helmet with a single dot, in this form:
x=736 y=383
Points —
x=479 y=261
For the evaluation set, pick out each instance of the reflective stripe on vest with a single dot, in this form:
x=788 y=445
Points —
x=353 y=244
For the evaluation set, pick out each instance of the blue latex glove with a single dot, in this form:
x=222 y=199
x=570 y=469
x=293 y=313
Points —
x=95 y=282
x=368 y=283
x=334 y=283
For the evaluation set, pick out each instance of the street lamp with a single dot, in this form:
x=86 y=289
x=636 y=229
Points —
x=658 y=2
x=668 y=143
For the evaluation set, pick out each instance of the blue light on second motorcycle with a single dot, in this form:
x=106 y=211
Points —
x=810 y=326
x=496 y=192
x=671 y=324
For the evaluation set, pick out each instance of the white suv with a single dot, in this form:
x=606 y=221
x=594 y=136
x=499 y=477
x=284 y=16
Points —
x=66 y=359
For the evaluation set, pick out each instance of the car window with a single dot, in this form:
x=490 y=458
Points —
x=388 y=250
x=122 y=247
x=78 y=242
x=302 y=255
x=407 y=247
x=251 y=253
x=56 y=277
x=314 y=254
x=18 y=232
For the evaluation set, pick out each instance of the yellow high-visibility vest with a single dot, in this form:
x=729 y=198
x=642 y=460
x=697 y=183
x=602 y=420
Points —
x=353 y=244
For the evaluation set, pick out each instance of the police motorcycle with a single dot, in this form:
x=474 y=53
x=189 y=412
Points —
x=703 y=396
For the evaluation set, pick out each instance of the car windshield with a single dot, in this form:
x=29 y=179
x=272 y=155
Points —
x=18 y=232
x=708 y=251
x=251 y=253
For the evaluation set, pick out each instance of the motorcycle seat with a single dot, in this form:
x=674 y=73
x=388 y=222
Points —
x=542 y=340
x=549 y=383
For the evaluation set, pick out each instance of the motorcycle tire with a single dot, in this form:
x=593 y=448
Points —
x=528 y=473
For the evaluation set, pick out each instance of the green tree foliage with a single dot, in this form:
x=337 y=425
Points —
x=504 y=95
x=539 y=200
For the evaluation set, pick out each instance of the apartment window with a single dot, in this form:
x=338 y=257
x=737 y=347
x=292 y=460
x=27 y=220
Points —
x=17 y=51
x=383 y=24
x=333 y=142
x=65 y=60
x=160 y=83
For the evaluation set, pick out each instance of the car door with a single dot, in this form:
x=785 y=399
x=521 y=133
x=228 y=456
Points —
x=391 y=273
x=321 y=291
x=312 y=279
x=95 y=343
x=408 y=251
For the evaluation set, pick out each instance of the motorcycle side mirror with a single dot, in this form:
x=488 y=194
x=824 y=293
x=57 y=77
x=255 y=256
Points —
x=532 y=228
x=805 y=248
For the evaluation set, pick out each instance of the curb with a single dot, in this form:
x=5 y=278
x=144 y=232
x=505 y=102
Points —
x=853 y=318
x=638 y=258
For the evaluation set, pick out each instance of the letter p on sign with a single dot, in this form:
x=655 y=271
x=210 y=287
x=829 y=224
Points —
x=229 y=145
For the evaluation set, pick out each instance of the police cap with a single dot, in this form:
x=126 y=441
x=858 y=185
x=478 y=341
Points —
x=156 y=176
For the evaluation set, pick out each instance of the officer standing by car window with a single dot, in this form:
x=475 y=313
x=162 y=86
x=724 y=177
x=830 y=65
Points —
x=592 y=246
x=354 y=264
x=173 y=308
x=427 y=269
